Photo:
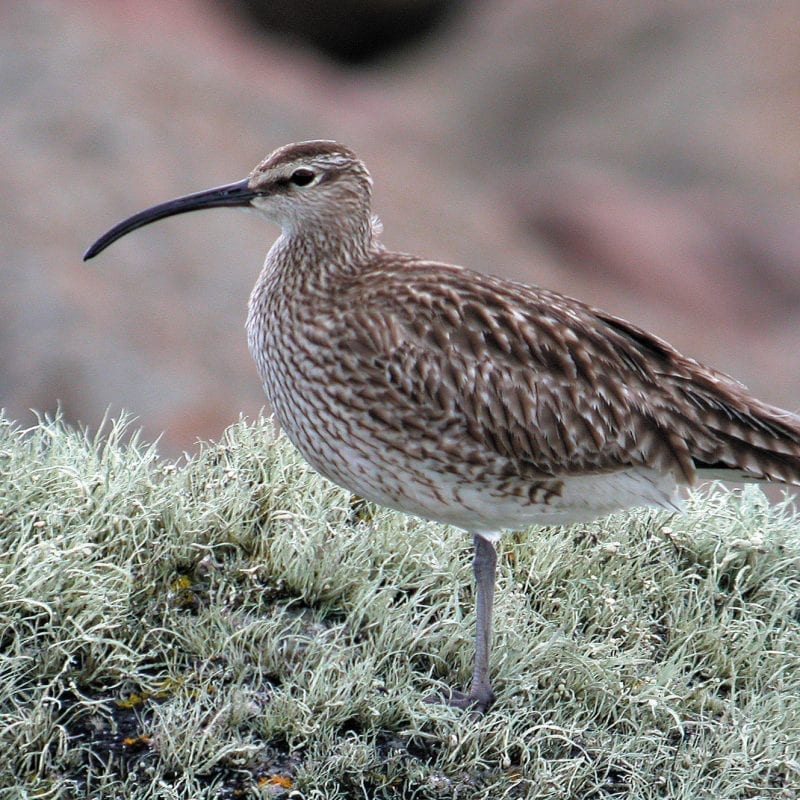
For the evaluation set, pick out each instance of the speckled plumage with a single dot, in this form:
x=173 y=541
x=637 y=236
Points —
x=478 y=401
x=464 y=398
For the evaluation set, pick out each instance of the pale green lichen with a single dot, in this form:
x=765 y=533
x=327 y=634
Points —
x=227 y=626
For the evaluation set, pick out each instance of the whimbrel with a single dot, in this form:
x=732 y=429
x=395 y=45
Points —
x=466 y=399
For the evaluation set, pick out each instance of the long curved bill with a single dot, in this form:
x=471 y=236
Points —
x=232 y=194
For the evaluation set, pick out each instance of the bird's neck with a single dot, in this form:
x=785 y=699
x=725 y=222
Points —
x=314 y=257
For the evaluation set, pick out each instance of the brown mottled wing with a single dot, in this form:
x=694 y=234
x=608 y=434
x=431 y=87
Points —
x=478 y=365
x=726 y=428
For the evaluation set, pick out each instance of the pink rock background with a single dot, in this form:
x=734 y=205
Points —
x=644 y=156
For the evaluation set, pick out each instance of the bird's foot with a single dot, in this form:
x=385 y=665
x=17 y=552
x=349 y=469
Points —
x=477 y=701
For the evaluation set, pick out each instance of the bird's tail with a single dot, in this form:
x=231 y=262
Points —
x=737 y=437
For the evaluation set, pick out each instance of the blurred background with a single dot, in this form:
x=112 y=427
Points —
x=643 y=156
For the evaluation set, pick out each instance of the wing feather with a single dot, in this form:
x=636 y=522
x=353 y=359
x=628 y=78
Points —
x=548 y=383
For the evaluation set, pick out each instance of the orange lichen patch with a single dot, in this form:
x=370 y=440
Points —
x=166 y=688
x=283 y=781
x=137 y=741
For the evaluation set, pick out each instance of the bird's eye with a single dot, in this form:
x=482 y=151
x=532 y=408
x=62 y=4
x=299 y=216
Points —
x=302 y=177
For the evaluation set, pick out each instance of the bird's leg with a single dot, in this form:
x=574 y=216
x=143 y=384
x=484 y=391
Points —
x=484 y=564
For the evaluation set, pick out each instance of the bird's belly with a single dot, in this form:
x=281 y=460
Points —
x=489 y=508
x=477 y=500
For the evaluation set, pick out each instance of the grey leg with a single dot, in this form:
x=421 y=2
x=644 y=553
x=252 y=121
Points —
x=481 y=696
x=484 y=565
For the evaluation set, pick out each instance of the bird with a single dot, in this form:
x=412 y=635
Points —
x=455 y=396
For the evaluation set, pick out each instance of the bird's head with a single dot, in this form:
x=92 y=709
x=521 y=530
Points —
x=307 y=184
